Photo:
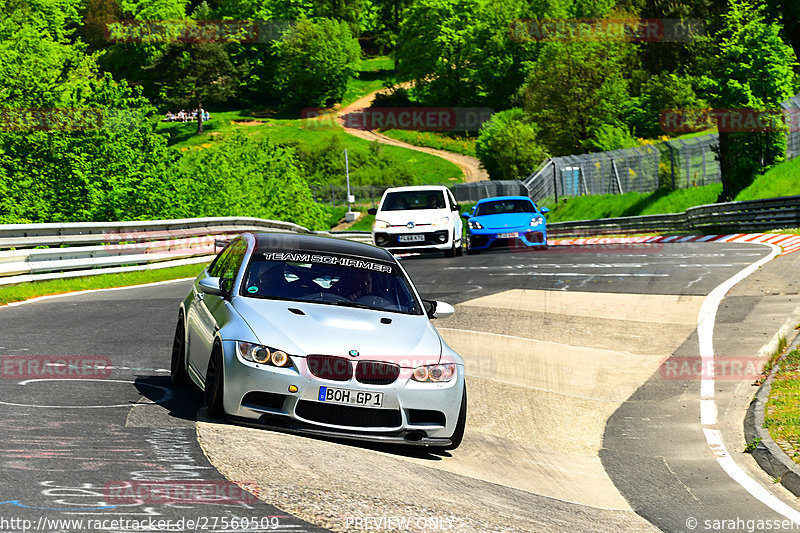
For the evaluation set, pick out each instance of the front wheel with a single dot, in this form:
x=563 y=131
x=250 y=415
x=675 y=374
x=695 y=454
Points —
x=461 y=424
x=215 y=385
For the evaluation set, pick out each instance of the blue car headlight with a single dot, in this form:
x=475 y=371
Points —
x=537 y=221
x=474 y=224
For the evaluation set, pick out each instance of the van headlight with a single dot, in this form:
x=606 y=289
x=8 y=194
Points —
x=380 y=224
x=444 y=221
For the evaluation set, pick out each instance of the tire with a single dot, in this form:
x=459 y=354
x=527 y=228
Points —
x=460 y=250
x=177 y=368
x=450 y=252
x=458 y=434
x=215 y=385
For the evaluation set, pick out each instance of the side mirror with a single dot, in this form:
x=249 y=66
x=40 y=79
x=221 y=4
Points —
x=226 y=286
x=465 y=215
x=372 y=211
x=456 y=208
x=436 y=309
x=544 y=210
x=210 y=286
x=217 y=286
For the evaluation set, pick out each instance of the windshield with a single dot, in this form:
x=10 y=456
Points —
x=505 y=206
x=331 y=280
x=404 y=200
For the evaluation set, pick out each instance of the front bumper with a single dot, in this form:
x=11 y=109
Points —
x=438 y=240
x=412 y=412
x=484 y=239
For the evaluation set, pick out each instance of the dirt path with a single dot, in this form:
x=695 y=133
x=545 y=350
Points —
x=470 y=166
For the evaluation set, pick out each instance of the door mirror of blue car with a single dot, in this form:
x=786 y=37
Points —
x=544 y=210
x=465 y=215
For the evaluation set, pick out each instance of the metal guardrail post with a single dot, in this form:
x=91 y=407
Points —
x=672 y=164
x=555 y=182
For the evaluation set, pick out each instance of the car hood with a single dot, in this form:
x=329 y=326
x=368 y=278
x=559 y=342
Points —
x=418 y=216
x=336 y=330
x=506 y=220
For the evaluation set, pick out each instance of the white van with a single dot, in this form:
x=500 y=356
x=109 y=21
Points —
x=422 y=218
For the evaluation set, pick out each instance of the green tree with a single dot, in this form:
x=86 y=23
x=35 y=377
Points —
x=193 y=75
x=508 y=145
x=750 y=69
x=316 y=60
x=250 y=178
x=659 y=93
x=574 y=88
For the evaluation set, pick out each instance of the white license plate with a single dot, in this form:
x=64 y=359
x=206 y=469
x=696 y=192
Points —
x=411 y=238
x=350 y=397
x=513 y=235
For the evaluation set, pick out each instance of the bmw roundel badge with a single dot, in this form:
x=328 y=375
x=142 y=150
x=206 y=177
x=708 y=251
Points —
x=353 y=353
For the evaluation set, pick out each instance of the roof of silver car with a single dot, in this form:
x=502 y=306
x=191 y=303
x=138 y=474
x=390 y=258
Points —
x=291 y=242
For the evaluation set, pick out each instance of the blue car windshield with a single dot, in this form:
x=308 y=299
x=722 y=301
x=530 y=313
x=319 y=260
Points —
x=351 y=283
x=502 y=207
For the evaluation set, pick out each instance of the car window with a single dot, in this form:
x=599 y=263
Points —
x=500 y=207
x=227 y=263
x=330 y=280
x=407 y=200
x=452 y=200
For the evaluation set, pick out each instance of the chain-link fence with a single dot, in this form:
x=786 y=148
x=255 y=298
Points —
x=678 y=164
x=336 y=195
x=792 y=108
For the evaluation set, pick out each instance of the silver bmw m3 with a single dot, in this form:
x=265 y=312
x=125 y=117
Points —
x=322 y=336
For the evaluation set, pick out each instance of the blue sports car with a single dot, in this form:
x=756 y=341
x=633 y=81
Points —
x=505 y=221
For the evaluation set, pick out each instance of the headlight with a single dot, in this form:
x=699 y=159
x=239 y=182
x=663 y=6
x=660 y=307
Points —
x=434 y=373
x=380 y=224
x=474 y=224
x=537 y=221
x=263 y=354
x=442 y=221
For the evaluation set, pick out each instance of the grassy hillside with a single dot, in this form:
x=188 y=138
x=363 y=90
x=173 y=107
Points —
x=782 y=180
x=631 y=204
x=313 y=136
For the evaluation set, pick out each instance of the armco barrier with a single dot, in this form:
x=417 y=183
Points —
x=739 y=217
x=34 y=252
x=30 y=252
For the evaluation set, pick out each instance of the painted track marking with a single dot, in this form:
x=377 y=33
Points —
x=708 y=407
